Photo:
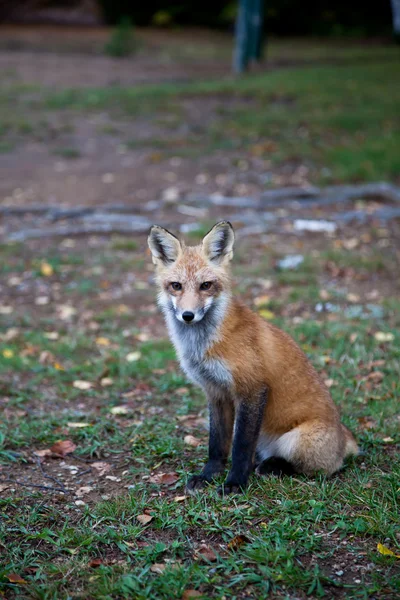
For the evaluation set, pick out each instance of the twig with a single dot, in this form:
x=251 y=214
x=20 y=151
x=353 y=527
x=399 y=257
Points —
x=46 y=475
x=35 y=485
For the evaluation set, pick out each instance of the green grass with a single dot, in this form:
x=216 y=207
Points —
x=299 y=532
x=340 y=120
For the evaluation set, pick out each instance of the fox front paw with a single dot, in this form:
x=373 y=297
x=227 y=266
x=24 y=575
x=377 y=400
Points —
x=231 y=487
x=196 y=482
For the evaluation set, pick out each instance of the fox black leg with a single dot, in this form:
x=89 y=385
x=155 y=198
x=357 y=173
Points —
x=221 y=410
x=247 y=428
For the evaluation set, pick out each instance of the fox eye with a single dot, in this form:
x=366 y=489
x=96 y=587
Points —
x=206 y=285
x=176 y=286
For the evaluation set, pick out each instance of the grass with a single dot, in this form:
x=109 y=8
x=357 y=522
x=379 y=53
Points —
x=315 y=537
x=300 y=537
x=339 y=120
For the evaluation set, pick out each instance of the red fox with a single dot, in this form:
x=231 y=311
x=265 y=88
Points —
x=262 y=391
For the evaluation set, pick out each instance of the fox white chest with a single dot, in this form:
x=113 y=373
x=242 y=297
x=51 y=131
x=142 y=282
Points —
x=191 y=344
x=207 y=371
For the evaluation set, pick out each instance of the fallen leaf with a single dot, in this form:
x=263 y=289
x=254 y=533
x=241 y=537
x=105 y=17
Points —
x=190 y=440
x=158 y=567
x=237 y=542
x=46 y=269
x=353 y=337
x=80 y=384
x=102 y=341
x=353 y=298
x=382 y=336
x=5 y=310
x=366 y=422
x=266 y=314
x=14 y=578
x=180 y=498
x=375 y=376
x=204 y=551
x=119 y=410
x=182 y=391
x=101 y=467
x=4 y=487
x=133 y=356
x=42 y=453
x=95 y=562
x=78 y=425
x=52 y=335
x=83 y=490
x=387 y=440
x=191 y=594
x=386 y=551
x=65 y=311
x=324 y=294
x=330 y=382
x=144 y=519
x=63 y=447
x=106 y=381
x=164 y=478
x=262 y=300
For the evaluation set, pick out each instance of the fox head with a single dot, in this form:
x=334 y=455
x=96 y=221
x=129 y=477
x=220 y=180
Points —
x=193 y=280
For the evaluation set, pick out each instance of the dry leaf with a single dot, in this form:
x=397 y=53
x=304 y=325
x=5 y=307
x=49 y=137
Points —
x=101 y=467
x=382 y=336
x=164 y=478
x=46 y=269
x=388 y=440
x=43 y=453
x=4 y=487
x=14 y=578
x=206 y=552
x=63 y=447
x=158 y=567
x=144 y=519
x=375 y=376
x=102 y=341
x=366 y=422
x=52 y=335
x=237 y=542
x=190 y=440
x=182 y=391
x=133 y=356
x=80 y=384
x=119 y=410
x=262 y=300
x=324 y=294
x=330 y=382
x=77 y=425
x=180 y=498
x=65 y=311
x=266 y=314
x=83 y=490
x=106 y=381
x=386 y=551
x=95 y=562
x=191 y=594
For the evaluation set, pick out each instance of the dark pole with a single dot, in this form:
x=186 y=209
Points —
x=249 y=34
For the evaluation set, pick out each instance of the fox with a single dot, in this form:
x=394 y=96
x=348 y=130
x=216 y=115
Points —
x=267 y=404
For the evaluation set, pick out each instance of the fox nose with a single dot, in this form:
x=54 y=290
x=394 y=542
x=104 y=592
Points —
x=187 y=316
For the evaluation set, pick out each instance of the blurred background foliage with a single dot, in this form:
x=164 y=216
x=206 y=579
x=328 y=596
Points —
x=283 y=17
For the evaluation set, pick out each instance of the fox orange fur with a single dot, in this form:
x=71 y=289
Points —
x=262 y=391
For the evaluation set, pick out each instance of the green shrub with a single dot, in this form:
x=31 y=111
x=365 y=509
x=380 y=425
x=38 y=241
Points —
x=122 y=41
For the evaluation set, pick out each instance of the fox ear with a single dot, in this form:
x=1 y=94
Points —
x=218 y=243
x=164 y=246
